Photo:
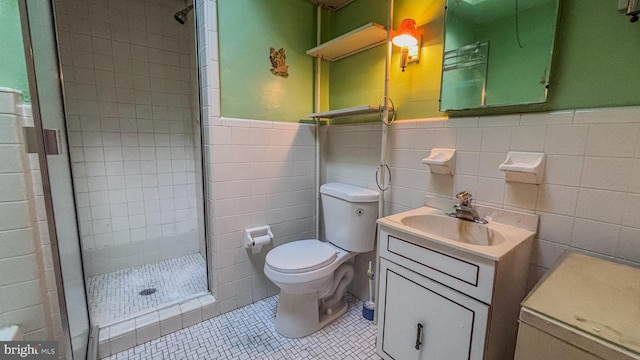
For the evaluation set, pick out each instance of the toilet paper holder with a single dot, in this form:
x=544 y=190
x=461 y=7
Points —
x=255 y=238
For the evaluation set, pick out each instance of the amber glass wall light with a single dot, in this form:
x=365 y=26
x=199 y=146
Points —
x=407 y=38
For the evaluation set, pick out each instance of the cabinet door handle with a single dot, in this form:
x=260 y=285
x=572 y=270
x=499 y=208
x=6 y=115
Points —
x=418 y=336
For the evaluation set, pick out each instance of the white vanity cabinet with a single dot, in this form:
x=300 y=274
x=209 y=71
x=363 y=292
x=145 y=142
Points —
x=437 y=302
x=422 y=319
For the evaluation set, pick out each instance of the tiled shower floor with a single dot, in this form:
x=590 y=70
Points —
x=249 y=333
x=114 y=295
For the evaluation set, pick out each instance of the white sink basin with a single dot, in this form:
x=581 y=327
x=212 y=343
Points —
x=504 y=232
x=454 y=229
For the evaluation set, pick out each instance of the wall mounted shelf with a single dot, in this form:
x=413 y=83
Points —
x=441 y=161
x=332 y=5
x=524 y=167
x=355 y=41
x=356 y=110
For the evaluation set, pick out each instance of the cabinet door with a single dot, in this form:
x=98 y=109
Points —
x=452 y=325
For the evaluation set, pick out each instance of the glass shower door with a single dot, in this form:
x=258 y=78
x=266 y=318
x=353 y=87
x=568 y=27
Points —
x=48 y=113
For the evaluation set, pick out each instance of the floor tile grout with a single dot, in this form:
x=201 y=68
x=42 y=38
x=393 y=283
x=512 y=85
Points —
x=115 y=295
x=249 y=333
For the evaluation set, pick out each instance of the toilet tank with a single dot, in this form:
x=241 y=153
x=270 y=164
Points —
x=349 y=214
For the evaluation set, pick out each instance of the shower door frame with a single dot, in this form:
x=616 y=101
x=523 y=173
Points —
x=46 y=29
x=47 y=6
x=198 y=117
x=203 y=156
x=32 y=69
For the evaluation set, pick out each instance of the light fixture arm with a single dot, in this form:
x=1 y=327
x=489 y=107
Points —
x=409 y=41
x=404 y=56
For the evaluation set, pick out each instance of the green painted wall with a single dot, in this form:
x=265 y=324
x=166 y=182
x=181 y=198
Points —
x=354 y=15
x=13 y=71
x=358 y=79
x=595 y=59
x=247 y=29
x=417 y=90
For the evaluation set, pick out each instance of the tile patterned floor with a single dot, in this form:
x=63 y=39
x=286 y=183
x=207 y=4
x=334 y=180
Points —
x=248 y=333
x=114 y=295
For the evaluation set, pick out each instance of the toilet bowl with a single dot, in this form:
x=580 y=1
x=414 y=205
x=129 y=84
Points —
x=313 y=275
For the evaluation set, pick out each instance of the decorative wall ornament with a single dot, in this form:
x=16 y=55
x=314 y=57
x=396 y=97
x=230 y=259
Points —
x=279 y=65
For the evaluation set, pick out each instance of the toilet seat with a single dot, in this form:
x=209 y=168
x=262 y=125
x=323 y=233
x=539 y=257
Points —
x=313 y=275
x=301 y=256
x=310 y=274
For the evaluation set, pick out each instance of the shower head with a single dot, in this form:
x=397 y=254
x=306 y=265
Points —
x=181 y=16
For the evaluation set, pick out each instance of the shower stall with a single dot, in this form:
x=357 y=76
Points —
x=132 y=118
x=102 y=213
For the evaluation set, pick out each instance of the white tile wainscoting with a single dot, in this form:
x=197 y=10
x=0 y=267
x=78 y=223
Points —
x=259 y=173
x=587 y=201
x=28 y=292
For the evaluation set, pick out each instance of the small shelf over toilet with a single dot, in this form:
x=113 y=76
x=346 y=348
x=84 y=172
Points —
x=363 y=38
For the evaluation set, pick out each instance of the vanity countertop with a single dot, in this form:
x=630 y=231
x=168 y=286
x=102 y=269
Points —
x=516 y=228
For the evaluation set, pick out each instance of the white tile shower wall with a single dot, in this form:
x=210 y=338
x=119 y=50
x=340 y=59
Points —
x=128 y=95
x=587 y=201
x=28 y=291
x=262 y=172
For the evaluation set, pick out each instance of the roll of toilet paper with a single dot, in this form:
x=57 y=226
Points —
x=259 y=242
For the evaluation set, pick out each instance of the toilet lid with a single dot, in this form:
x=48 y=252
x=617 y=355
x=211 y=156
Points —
x=300 y=256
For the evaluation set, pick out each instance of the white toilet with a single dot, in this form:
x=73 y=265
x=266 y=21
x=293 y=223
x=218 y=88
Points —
x=313 y=275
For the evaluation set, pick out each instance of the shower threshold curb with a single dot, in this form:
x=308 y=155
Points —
x=151 y=324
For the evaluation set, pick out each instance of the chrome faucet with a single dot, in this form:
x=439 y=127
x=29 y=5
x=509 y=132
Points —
x=464 y=209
